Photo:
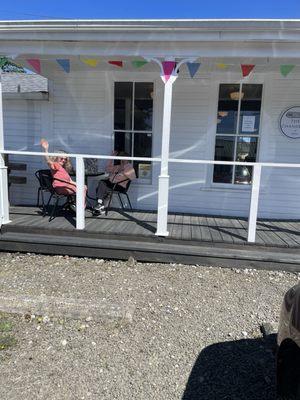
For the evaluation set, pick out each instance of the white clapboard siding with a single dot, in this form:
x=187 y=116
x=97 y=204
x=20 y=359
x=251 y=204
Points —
x=280 y=187
x=189 y=183
x=78 y=119
x=22 y=131
x=82 y=123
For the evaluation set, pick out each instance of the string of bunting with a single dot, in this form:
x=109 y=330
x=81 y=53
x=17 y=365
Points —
x=167 y=66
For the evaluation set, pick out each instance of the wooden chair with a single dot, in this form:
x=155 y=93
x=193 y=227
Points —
x=119 y=190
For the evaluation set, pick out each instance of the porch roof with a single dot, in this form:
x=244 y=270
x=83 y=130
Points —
x=160 y=38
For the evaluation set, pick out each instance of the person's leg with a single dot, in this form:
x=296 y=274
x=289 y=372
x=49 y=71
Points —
x=102 y=190
x=101 y=193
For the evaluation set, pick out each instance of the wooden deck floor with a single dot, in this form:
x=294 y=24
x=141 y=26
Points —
x=192 y=238
x=181 y=226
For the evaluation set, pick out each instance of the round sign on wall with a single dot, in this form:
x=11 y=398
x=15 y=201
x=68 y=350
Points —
x=289 y=122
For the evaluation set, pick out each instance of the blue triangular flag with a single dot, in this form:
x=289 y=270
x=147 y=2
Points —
x=64 y=63
x=193 y=68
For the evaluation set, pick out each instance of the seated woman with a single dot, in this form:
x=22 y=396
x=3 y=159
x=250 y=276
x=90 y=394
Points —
x=118 y=175
x=60 y=168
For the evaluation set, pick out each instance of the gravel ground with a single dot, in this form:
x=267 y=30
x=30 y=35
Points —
x=195 y=331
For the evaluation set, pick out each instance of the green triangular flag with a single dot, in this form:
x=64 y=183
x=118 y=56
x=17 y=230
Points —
x=139 y=63
x=286 y=69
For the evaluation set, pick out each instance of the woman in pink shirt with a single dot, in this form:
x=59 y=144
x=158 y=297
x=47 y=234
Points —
x=60 y=168
x=119 y=175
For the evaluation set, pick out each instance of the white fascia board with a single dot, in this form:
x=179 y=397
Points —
x=213 y=49
x=153 y=30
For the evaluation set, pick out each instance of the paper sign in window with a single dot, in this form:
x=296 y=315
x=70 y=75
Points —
x=248 y=124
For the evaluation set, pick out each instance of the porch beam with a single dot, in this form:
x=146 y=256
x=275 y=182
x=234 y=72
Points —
x=80 y=194
x=252 y=221
x=4 y=203
x=164 y=178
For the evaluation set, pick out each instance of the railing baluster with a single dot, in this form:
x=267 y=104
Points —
x=80 y=198
x=254 y=203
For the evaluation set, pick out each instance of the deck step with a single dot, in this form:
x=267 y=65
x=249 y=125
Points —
x=164 y=251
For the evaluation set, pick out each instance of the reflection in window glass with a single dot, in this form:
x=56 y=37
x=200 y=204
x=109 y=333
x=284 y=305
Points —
x=239 y=143
x=250 y=109
x=133 y=141
x=123 y=105
x=246 y=149
x=224 y=148
x=142 y=148
x=224 y=151
x=223 y=173
x=143 y=106
x=123 y=142
x=243 y=175
x=227 y=109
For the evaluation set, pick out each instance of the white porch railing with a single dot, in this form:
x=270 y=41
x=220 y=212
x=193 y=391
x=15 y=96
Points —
x=80 y=209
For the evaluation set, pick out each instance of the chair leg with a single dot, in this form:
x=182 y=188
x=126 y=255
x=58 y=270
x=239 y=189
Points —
x=120 y=200
x=109 y=201
x=38 y=197
x=129 y=202
x=54 y=209
x=45 y=207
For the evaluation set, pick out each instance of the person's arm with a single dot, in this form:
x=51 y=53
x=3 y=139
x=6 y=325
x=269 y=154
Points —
x=45 y=146
x=127 y=173
x=110 y=167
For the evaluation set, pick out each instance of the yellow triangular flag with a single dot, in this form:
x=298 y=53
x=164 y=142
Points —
x=92 y=62
x=221 y=65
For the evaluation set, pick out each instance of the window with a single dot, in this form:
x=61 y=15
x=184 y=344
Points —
x=133 y=115
x=237 y=134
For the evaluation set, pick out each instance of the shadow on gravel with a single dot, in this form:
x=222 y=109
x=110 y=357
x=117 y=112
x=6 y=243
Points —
x=237 y=370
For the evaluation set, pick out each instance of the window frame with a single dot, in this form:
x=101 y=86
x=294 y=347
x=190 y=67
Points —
x=251 y=81
x=147 y=181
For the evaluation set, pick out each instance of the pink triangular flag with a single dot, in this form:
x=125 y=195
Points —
x=246 y=69
x=36 y=64
x=116 y=63
x=168 y=67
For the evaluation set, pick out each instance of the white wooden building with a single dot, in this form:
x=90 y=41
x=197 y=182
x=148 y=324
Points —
x=100 y=99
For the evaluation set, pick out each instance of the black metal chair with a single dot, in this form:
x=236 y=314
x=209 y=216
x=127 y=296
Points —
x=45 y=179
x=119 y=190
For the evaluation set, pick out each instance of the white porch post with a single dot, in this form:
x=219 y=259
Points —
x=254 y=203
x=163 y=179
x=4 y=203
x=80 y=200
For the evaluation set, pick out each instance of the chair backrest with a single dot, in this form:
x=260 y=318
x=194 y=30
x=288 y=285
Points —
x=128 y=184
x=45 y=179
x=125 y=189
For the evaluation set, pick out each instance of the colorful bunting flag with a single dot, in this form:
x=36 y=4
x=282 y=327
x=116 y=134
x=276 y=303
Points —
x=168 y=68
x=35 y=64
x=64 y=64
x=286 y=69
x=193 y=68
x=246 y=69
x=92 y=62
x=116 y=63
x=139 y=63
x=221 y=65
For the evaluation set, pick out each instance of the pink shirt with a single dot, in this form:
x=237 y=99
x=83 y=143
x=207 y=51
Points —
x=60 y=176
x=119 y=173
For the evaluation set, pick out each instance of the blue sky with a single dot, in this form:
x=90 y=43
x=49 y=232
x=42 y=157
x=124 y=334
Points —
x=41 y=9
